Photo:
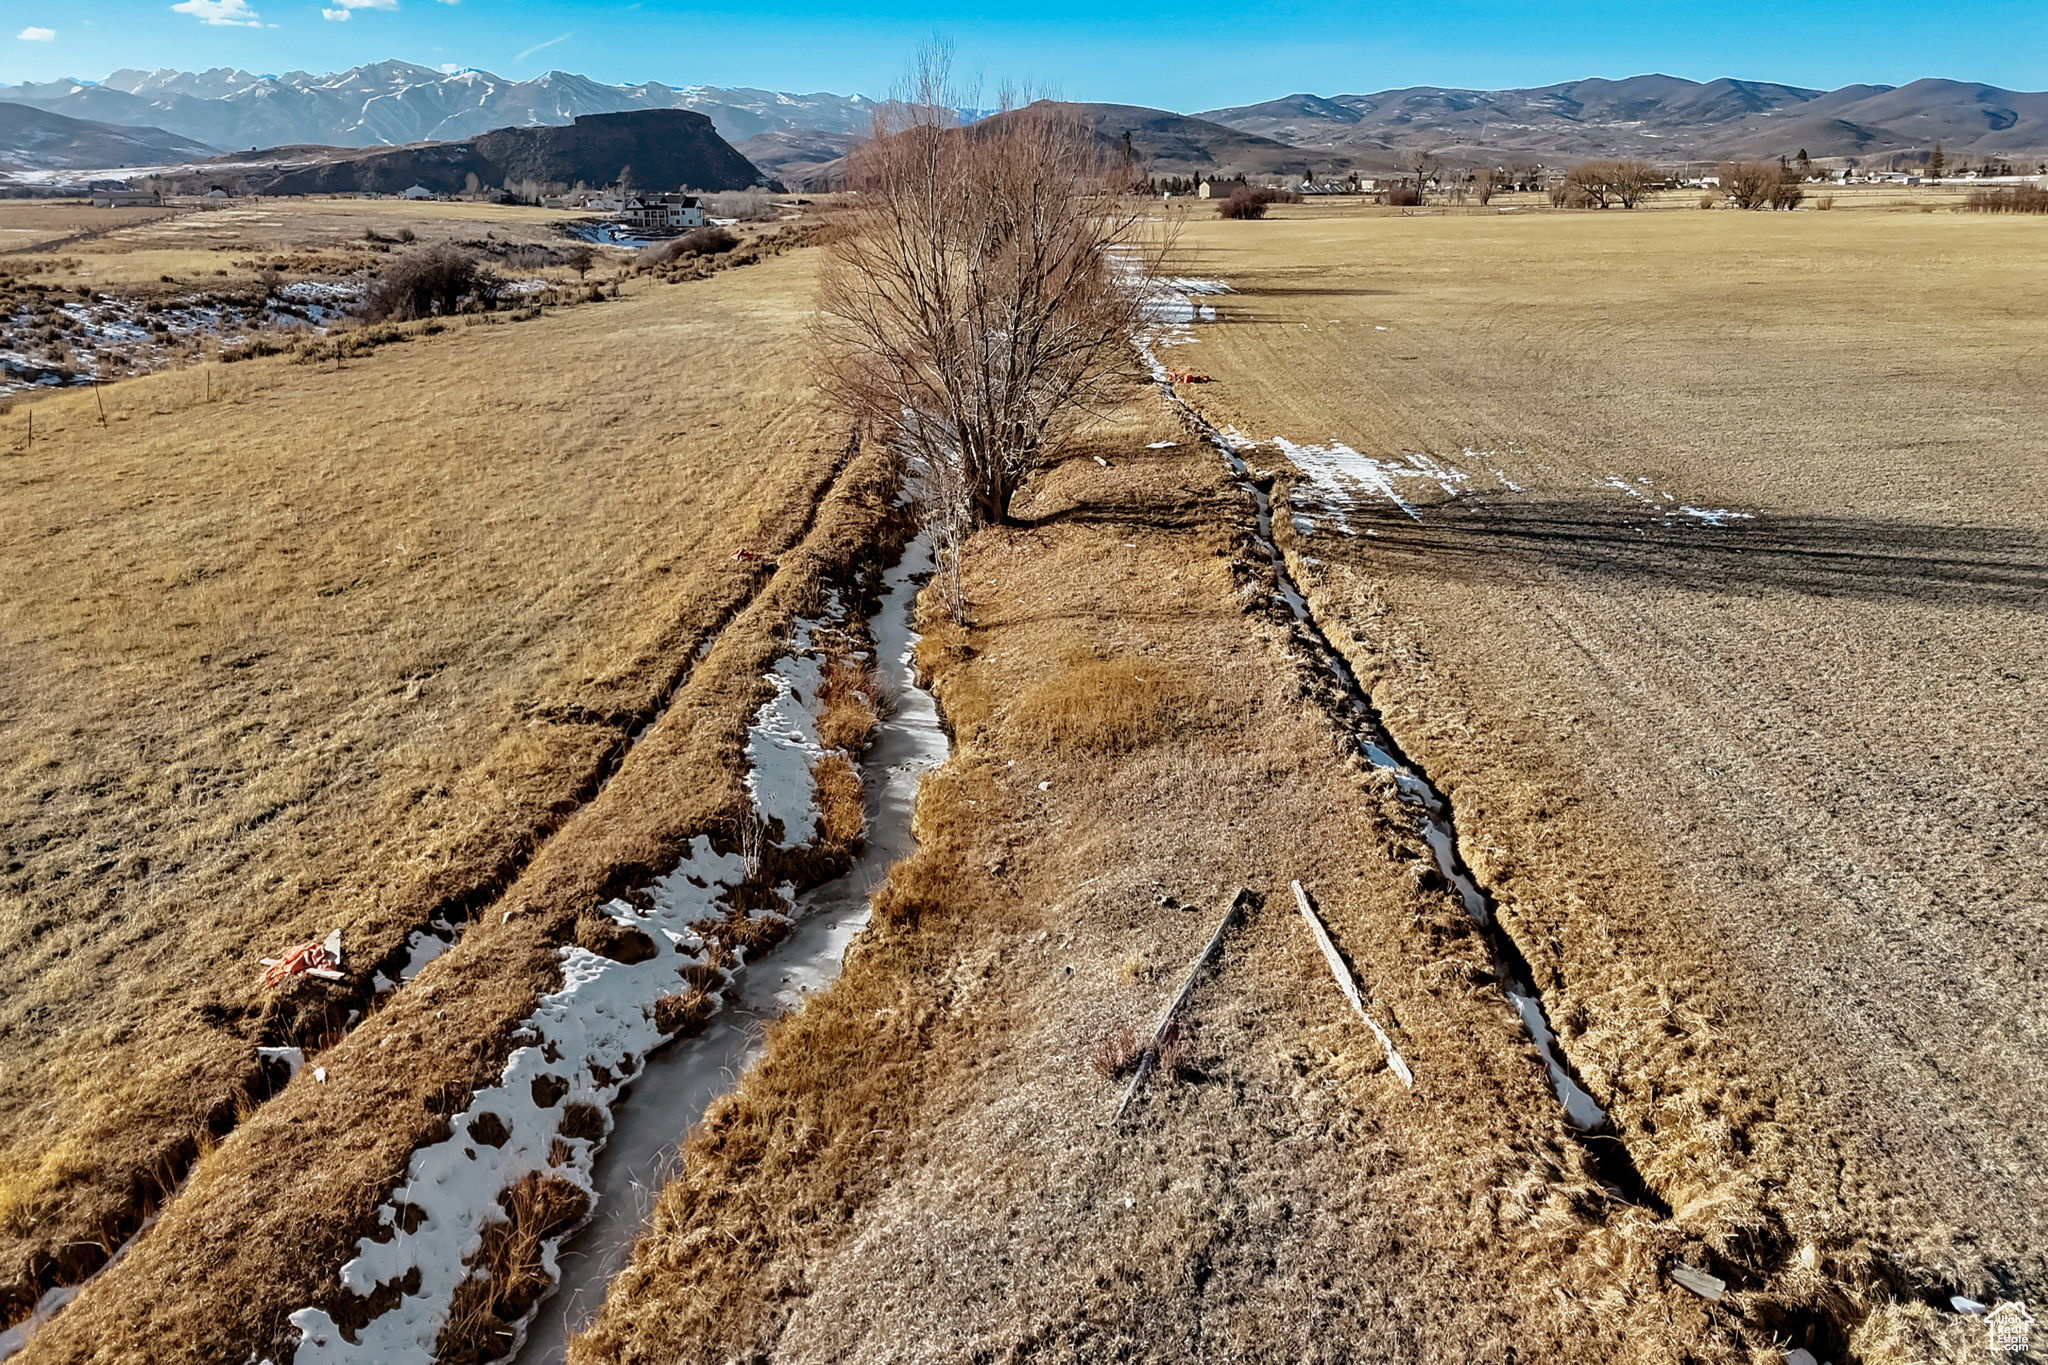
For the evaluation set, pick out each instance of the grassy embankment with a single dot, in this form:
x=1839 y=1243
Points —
x=350 y=648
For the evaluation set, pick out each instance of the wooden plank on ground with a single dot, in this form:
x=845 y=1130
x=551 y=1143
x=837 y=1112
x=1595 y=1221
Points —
x=1150 y=1058
x=1349 y=986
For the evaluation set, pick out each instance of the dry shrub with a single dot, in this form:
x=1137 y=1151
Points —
x=1241 y=205
x=850 y=705
x=1760 y=185
x=1251 y=203
x=1404 y=196
x=2008 y=199
x=430 y=282
x=1103 y=706
x=1824 y=203
x=709 y=240
x=1117 y=1051
x=842 y=818
x=481 y=1318
x=1175 y=1051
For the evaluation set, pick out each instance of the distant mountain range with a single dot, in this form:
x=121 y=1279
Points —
x=393 y=103
x=32 y=139
x=800 y=138
x=1661 y=117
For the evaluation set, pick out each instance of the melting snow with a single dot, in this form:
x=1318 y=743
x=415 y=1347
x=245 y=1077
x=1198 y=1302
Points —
x=591 y=1036
x=783 y=745
x=597 y=1029
x=1715 y=516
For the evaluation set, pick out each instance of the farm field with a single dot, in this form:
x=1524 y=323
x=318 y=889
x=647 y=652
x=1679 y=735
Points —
x=90 y=294
x=362 y=647
x=1702 y=559
x=1718 y=638
x=930 y=1163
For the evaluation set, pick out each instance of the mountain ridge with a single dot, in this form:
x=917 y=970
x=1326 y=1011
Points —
x=35 y=139
x=1654 y=115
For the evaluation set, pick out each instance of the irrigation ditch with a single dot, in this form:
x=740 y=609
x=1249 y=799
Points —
x=308 y=1014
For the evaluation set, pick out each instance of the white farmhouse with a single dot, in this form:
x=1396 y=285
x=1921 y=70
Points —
x=661 y=212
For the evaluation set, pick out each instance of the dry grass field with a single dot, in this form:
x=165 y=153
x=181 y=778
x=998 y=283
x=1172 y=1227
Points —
x=1703 y=559
x=924 y=1166
x=343 y=647
x=1700 y=558
x=132 y=248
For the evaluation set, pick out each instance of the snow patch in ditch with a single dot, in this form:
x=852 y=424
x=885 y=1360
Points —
x=681 y=1082
x=783 y=745
x=592 y=1036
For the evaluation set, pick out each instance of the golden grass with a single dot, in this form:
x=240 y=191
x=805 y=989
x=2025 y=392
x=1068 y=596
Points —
x=1675 y=750
x=923 y=1150
x=1103 y=706
x=511 y=1271
x=391 y=1081
x=339 y=648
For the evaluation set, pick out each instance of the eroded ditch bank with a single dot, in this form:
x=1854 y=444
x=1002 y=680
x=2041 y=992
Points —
x=560 y=1127
x=1174 y=311
x=679 y=1084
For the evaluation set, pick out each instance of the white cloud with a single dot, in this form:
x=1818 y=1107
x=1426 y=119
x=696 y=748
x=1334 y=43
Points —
x=336 y=16
x=221 y=13
x=36 y=35
x=549 y=43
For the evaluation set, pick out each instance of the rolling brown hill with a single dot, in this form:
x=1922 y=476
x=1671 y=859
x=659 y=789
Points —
x=1662 y=117
x=36 y=139
x=1164 y=143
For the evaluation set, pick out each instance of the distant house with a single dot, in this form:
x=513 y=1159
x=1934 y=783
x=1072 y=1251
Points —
x=419 y=192
x=125 y=199
x=660 y=212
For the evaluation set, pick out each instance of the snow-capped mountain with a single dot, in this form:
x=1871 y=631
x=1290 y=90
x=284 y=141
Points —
x=391 y=103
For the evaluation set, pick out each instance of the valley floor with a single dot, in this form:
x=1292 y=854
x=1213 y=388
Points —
x=1720 y=648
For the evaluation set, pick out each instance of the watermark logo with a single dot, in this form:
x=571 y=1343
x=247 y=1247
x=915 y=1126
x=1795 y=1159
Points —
x=2009 y=1328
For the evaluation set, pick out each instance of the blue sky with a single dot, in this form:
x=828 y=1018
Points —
x=1191 y=54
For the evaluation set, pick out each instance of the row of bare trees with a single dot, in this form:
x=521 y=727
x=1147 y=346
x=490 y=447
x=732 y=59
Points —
x=984 y=287
x=1606 y=184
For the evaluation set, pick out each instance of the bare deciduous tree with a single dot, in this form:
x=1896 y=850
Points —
x=983 y=288
x=1420 y=163
x=1486 y=182
x=1598 y=184
x=1760 y=185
